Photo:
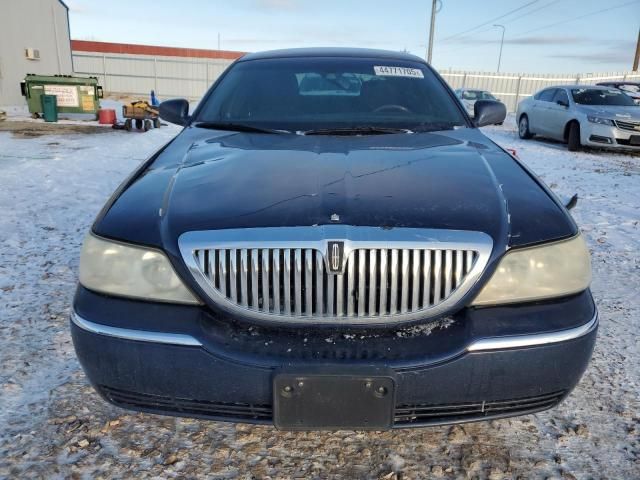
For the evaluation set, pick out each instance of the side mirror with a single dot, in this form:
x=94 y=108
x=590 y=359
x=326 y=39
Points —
x=175 y=111
x=488 y=112
x=562 y=103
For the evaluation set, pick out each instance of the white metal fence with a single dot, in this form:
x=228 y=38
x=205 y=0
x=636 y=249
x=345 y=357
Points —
x=511 y=88
x=139 y=74
x=190 y=78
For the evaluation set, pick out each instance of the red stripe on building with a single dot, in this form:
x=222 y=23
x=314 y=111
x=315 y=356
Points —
x=131 y=49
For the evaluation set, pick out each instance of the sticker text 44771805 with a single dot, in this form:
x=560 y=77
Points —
x=388 y=71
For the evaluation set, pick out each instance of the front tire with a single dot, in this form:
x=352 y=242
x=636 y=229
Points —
x=573 y=139
x=523 y=128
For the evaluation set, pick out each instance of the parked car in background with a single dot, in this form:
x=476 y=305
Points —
x=581 y=115
x=630 y=88
x=469 y=97
x=331 y=243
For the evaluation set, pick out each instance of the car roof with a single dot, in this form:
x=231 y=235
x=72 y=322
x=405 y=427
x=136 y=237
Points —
x=332 y=52
x=593 y=87
x=619 y=83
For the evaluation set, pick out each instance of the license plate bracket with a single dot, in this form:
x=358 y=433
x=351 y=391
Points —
x=333 y=401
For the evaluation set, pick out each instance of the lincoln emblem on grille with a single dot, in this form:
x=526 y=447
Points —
x=335 y=252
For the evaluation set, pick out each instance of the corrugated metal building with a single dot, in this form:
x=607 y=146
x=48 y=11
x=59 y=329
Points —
x=137 y=69
x=34 y=38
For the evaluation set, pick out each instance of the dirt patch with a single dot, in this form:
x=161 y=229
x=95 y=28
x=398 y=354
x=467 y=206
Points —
x=26 y=129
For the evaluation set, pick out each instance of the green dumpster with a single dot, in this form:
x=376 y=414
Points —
x=73 y=94
x=49 y=108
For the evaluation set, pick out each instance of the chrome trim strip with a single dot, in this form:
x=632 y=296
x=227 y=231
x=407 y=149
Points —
x=437 y=267
x=384 y=284
x=485 y=344
x=351 y=276
x=138 y=335
x=319 y=281
x=308 y=282
x=393 y=301
x=373 y=281
x=276 y=281
x=519 y=341
x=362 y=284
x=415 y=278
x=292 y=240
x=266 y=277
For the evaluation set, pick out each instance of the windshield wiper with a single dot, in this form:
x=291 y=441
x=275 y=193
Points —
x=435 y=126
x=363 y=130
x=237 y=127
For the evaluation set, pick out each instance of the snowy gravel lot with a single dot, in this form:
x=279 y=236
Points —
x=53 y=425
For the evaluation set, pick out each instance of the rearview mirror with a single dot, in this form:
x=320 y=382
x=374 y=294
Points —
x=175 y=111
x=562 y=103
x=488 y=112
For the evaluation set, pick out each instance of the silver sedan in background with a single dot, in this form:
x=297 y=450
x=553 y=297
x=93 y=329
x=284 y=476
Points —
x=581 y=115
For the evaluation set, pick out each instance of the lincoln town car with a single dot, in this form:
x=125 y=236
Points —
x=331 y=242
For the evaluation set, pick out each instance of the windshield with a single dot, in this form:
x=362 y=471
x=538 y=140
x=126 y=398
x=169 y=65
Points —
x=300 y=94
x=593 y=96
x=630 y=88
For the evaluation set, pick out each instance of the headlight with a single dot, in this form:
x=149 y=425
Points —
x=536 y=273
x=130 y=271
x=601 y=121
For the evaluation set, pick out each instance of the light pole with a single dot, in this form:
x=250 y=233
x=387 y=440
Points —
x=436 y=5
x=636 y=58
x=501 y=44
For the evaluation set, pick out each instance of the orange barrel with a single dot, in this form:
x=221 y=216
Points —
x=106 y=116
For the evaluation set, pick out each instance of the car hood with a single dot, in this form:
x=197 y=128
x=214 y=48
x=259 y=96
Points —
x=622 y=113
x=263 y=180
x=456 y=180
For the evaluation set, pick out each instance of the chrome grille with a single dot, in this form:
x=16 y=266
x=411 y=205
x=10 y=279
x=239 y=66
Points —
x=377 y=282
x=386 y=276
x=631 y=126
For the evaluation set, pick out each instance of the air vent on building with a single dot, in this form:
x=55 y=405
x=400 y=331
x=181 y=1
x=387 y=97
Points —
x=32 y=53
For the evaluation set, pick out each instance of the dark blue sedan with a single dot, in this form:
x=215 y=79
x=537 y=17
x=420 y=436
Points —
x=332 y=243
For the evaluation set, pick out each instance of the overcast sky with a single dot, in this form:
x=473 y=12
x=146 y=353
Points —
x=541 y=35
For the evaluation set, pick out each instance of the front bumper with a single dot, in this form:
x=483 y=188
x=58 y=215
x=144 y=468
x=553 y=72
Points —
x=181 y=360
x=607 y=136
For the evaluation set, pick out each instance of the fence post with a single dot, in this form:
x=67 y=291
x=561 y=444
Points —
x=578 y=79
x=464 y=80
x=155 y=75
x=515 y=108
x=104 y=71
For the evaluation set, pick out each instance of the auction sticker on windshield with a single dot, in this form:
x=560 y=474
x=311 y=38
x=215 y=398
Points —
x=387 y=71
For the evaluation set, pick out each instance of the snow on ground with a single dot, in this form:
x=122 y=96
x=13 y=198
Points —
x=53 y=425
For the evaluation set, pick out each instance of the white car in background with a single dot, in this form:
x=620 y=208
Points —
x=582 y=115
x=468 y=97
